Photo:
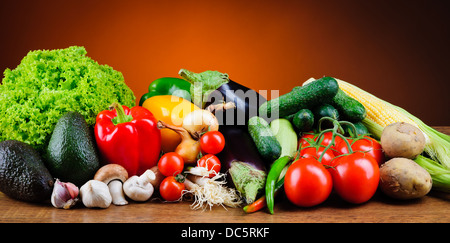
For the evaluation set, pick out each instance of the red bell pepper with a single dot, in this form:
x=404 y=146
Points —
x=128 y=137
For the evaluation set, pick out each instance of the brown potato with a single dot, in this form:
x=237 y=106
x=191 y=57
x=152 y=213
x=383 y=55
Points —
x=403 y=178
x=401 y=139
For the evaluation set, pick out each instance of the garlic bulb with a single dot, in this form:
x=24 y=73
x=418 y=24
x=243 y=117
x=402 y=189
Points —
x=95 y=194
x=64 y=195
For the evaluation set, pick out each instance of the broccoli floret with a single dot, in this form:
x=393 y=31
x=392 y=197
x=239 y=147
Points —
x=47 y=84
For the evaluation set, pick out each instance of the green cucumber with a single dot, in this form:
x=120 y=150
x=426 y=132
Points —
x=360 y=129
x=303 y=120
x=285 y=135
x=350 y=109
x=325 y=110
x=264 y=139
x=320 y=91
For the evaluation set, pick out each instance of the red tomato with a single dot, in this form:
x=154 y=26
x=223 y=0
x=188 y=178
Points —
x=313 y=152
x=326 y=139
x=212 y=142
x=211 y=163
x=307 y=183
x=355 y=177
x=171 y=164
x=304 y=140
x=367 y=145
x=171 y=188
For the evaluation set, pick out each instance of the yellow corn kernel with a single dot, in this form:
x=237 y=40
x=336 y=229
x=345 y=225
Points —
x=378 y=110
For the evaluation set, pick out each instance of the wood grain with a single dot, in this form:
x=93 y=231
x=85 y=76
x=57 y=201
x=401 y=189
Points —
x=433 y=208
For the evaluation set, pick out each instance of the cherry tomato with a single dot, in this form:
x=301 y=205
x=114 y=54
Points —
x=171 y=188
x=307 y=183
x=367 y=144
x=211 y=163
x=304 y=140
x=355 y=177
x=171 y=164
x=212 y=142
x=326 y=139
x=313 y=152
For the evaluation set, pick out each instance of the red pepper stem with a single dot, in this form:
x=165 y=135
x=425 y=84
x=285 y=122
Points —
x=121 y=116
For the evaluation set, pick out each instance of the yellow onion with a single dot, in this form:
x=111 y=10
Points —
x=200 y=121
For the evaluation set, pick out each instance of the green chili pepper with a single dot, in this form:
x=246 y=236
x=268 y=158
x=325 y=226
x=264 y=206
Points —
x=272 y=179
x=261 y=202
x=168 y=86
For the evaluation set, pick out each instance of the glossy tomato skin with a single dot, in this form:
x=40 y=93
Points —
x=307 y=183
x=313 y=152
x=367 y=144
x=171 y=189
x=211 y=163
x=171 y=164
x=325 y=140
x=304 y=140
x=212 y=142
x=355 y=177
x=327 y=137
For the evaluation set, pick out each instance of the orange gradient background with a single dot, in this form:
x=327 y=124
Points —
x=397 y=50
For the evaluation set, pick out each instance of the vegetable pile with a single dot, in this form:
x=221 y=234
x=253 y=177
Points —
x=71 y=134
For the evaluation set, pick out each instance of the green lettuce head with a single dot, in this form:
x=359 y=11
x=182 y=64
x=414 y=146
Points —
x=47 y=84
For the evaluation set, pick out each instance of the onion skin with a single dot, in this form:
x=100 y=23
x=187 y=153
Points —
x=200 y=121
x=188 y=148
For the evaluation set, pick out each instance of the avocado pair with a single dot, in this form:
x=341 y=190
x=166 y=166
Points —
x=70 y=156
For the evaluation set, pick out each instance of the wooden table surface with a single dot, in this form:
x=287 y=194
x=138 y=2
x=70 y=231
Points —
x=435 y=207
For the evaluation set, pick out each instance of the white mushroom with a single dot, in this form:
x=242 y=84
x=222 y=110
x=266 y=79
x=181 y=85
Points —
x=140 y=188
x=159 y=177
x=95 y=194
x=114 y=176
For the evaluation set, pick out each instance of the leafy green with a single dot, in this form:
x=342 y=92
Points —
x=203 y=84
x=47 y=84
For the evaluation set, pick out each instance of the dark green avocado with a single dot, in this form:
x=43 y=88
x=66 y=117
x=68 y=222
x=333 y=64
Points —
x=71 y=154
x=23 y=175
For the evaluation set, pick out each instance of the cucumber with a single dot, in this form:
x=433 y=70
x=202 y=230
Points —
x=320 y=91
x=303 y=120
x=325 y=110
x=350 y=109
x=285 y=134
x=360 y=129
x=268 y=146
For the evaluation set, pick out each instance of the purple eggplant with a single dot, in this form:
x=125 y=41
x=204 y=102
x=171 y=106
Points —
x=240 y=159
x=246 y=100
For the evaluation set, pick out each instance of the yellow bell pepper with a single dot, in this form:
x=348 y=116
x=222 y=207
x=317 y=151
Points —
x=171 y=110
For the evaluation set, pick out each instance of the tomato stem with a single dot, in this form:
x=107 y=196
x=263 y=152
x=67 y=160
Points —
x=353 y=132
x=335 y=132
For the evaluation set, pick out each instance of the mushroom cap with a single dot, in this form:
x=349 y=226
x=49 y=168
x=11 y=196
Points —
x=138 y=190
x=110 y=172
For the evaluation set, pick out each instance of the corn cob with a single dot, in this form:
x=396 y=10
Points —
x=377 y=110
x=381 y=113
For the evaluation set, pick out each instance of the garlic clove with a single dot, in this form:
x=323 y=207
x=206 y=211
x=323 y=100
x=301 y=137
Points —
x=64 y=195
